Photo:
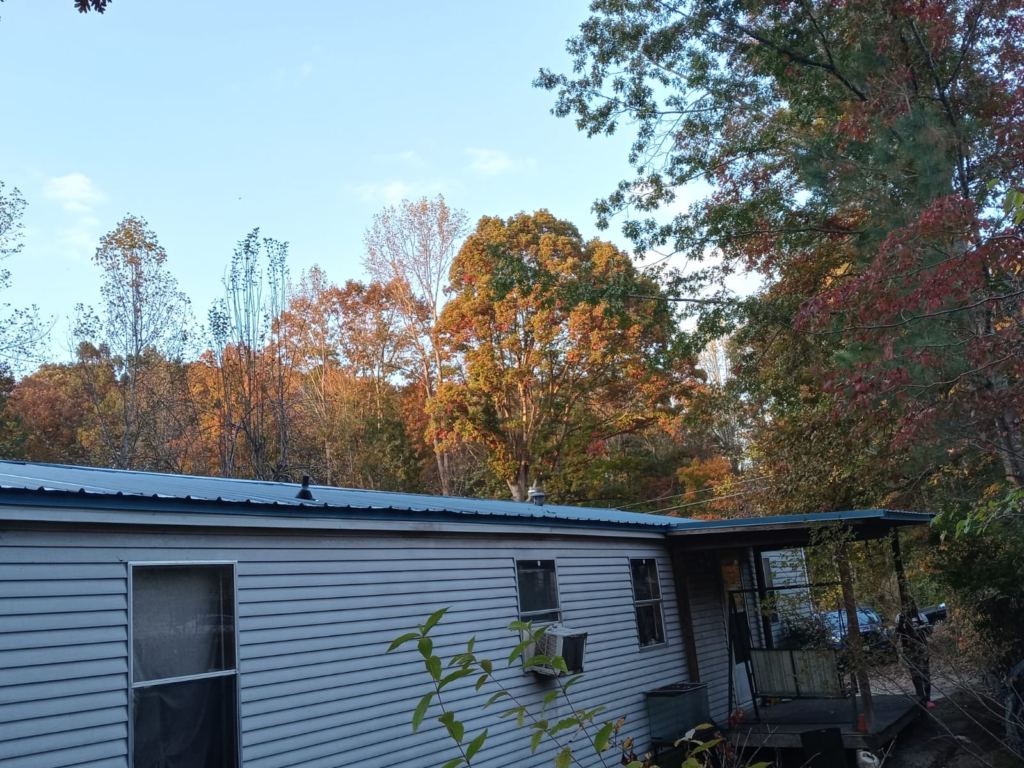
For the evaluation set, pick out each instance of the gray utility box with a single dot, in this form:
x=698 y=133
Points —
x=675 y=709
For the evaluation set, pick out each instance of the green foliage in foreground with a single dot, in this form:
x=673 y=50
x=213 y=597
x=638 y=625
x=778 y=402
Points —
x=605 y=738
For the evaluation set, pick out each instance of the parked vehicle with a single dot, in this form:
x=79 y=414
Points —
x=873 y=632
x=933 y=614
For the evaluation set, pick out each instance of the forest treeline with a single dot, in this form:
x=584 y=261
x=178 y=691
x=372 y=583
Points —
x=862 y=161
x=473 y=361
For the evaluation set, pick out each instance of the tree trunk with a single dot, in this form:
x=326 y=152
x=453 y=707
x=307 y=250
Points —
x=520 y=484
x=1007 y=434
x=854 y=639
x=442 y=469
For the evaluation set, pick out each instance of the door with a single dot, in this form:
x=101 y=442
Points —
x=737 y=622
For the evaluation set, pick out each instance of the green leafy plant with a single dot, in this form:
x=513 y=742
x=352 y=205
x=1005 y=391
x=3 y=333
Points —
x=566 y=736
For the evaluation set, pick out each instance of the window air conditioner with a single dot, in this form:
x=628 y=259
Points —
x=570 y=644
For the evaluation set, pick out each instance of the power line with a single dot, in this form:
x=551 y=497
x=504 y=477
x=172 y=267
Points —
x=689 y=493
x=705 y=501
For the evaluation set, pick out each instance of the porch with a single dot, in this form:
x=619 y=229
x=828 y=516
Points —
x=780 y=725
x=774 y=696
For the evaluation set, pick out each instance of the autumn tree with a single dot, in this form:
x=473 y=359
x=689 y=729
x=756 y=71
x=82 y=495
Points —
x=563 y=342
x=857 y=156
x=349 y=348
x=411 y=247
x=250 y=354
x=124 y=348
x=55 y=416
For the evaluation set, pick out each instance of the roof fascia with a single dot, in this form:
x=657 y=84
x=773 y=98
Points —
x=303 y=520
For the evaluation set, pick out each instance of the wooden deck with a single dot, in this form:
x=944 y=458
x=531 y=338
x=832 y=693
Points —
x=780 y=725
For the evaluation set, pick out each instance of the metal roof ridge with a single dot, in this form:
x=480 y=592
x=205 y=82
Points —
x=547 y=509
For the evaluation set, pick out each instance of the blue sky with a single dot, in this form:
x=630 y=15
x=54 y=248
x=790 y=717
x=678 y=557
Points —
x=303 y=118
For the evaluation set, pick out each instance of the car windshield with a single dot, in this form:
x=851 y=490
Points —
x=868 y=616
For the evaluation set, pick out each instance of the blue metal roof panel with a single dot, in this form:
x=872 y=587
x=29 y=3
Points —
x=890 y=515
x=58 y=478
x=130 y=489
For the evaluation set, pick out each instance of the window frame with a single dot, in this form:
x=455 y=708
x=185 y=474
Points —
x=770 y=590
x=529 y=615
x=132 y=685
x=658 y=601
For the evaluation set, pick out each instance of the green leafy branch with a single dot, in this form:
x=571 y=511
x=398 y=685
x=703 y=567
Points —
x=561 y=732
x=604 y=738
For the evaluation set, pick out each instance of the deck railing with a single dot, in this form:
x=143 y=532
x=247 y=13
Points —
x=797 y=674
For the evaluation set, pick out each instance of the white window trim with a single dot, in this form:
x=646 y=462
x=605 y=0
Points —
x=132 y=685
x=526 y=616
x=659 y=601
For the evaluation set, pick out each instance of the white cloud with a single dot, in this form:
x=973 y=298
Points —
x=395 y=191
x=306 y=69
x=78 y=195
x=490 y=162
x=75 y=192
x=80 y=242
x=494 y=162
x=389 y=192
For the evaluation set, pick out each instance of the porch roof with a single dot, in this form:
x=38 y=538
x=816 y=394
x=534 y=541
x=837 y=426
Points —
x=789 y=530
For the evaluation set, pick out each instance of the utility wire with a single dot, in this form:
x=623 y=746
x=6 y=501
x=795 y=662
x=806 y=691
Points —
x=705 y=501
x=690 y=493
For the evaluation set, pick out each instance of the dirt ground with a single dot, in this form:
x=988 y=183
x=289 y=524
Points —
x=958 y=733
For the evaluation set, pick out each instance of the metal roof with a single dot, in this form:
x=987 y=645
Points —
x=781 y=531
x=779 y=521
x=129 y=488
x=32 y=484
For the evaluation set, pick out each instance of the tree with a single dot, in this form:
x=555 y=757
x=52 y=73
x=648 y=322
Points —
x=55 y=415
x=412 y=248
x=21 y=330
x=562 y=346
x=850 y=148
x=143 y=326
x=84 y=6
x=348 y=347
x=250 y=351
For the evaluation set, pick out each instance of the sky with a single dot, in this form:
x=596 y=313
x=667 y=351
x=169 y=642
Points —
x=302 y=118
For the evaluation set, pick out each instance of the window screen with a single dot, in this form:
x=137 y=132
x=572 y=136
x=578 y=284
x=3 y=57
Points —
x=184 y=676
x=650 y=621
x=538 y=591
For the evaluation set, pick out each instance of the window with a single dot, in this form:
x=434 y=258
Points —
x=770 y=592
x=650 y=622
x=538 y=591
x=184 y=677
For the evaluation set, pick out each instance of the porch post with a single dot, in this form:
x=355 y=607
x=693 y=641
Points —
x=901 y=576
x=762 y=592
x=853 y=634
x=685 y=614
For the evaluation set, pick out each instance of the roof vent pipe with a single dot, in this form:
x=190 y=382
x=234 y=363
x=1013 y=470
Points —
x=304 y=493
x=536 y=494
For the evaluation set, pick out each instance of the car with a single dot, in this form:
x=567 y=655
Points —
x=874 y=634
x=933 y=614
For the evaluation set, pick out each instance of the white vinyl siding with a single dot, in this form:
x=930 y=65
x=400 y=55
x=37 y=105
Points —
x=63 y=658
x=708 y=608
x=315 y=616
